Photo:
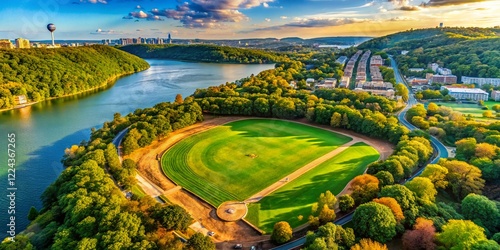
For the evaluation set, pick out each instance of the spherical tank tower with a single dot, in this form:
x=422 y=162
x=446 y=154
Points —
x=51 y=27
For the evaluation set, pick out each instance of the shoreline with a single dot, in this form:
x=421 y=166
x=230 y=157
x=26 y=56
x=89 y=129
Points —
x=109 y=82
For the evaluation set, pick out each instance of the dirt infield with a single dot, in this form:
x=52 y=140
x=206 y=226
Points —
x=226 y=233
x=232 y=210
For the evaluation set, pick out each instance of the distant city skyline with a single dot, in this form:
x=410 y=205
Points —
x=235 y=19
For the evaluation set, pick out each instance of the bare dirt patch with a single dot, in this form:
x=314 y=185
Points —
x=232 y=210
x=207 y=217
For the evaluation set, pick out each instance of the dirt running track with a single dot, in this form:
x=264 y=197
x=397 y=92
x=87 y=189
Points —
x=226 y=233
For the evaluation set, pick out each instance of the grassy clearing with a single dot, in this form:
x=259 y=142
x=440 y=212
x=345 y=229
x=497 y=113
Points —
x=470 y=109
x=138 y=191
x=239 y=159
x=297 y=197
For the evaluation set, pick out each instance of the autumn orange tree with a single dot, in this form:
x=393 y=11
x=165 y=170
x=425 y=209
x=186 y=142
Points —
x=365 y=244
x=364 y=188
x=421 y=237
x=393 y=205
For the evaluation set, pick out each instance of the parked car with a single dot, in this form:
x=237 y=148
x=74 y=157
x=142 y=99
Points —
x=238 y=246
x=211 y=233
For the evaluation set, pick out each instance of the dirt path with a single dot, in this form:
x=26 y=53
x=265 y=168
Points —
x=273 y=187
x=150 y=188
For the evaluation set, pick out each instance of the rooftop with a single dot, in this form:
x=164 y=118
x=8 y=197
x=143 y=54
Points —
x=466 y=90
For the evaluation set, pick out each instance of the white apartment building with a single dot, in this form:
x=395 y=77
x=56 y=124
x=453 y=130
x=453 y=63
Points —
x=467 y=93
x=481 y=81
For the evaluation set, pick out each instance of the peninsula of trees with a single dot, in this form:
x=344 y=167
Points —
x=41 y=74
x=202 y=53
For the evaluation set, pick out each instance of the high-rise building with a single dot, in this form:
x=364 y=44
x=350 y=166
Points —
x=440 y=25
x=169 y=39
x=22 y=43
x=6 y=44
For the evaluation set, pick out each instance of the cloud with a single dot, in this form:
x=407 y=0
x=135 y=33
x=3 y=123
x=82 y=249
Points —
x=409 y=8
x=319 y=22
x=94 y=1
x=209 y=14
x=283 y=17
x=267 y=19
x=399 y=18
x=399 y=2
x=143 y=15
x=311 y=23
x=438 y=3
x=104 y=32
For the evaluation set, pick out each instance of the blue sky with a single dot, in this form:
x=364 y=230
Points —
x=234 y=19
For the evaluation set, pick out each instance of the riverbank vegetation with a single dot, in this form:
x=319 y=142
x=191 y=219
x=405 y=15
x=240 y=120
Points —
x=40 y=74
x=203 y=53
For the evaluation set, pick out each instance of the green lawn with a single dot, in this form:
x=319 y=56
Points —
x=297 y=197
x=239 y=159
x=137 y=190
x=467 y=108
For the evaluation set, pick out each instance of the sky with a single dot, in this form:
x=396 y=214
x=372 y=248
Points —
x=235 y=19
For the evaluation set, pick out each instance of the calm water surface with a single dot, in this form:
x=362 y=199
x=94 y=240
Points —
x=45 y=129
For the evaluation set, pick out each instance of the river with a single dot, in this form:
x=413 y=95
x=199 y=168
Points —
x=43 y=130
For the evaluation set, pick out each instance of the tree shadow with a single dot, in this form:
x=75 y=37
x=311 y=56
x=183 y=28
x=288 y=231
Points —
x=299 y=199
x=283 y=129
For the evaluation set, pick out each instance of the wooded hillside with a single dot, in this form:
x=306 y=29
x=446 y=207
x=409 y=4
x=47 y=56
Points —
x=202 y=53
x=45 y=73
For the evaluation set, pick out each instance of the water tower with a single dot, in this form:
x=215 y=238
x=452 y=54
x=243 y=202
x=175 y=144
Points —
x=51 y=27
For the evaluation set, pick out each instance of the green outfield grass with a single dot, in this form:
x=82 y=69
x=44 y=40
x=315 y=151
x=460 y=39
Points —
x=297 y=197
x=239 y=159
x=470 y=109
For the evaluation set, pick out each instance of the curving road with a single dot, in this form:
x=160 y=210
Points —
x=118 y=141
x=439 y=149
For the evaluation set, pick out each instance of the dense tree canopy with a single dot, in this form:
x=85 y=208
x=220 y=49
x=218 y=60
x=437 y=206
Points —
x=461 y=234
x=375 y=221
x=204 y=53
x=482 y=211
x=282 y=232
x=48 y=73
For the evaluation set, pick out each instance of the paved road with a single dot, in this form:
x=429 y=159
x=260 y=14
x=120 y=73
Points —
x=118 y=140
x=436 y=144
x=442 y=152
